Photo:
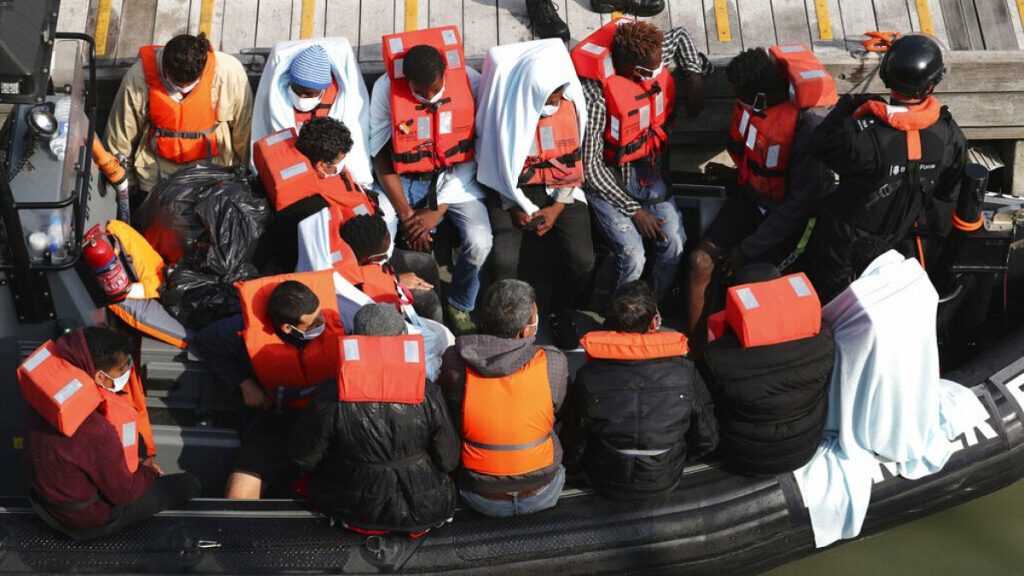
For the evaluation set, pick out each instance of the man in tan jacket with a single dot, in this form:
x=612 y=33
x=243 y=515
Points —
x=177 y=105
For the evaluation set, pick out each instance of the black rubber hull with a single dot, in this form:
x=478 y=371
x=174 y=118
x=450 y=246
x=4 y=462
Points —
x=714 y=523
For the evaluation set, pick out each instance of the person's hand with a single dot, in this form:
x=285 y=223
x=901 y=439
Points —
x=151 y=463
x=253 y=395
x=420 y=223
x=716 y=172
x=734 y=261
x=649 y=225
x=413 y=282
x=519 y=217
x=549 y=215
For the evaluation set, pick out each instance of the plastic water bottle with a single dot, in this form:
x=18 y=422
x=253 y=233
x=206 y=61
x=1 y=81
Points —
x=55 y=234
x=62 y=112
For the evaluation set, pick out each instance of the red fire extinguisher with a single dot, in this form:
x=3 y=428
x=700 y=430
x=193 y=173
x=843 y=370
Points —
x=99 y=255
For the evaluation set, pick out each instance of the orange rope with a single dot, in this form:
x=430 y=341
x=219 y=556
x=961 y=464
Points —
x=967 y=226
x=920 y=248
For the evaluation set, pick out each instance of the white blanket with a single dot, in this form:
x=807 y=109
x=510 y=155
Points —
x=887 y=403
x=454 y=186
x=516 y=81
x=273 y=110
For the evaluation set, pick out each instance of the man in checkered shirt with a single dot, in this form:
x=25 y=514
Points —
x=630 y=199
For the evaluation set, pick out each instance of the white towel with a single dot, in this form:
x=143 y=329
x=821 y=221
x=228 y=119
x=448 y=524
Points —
x=516 y=81
x=273 y=110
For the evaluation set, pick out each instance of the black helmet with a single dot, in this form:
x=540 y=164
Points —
x=912 y=65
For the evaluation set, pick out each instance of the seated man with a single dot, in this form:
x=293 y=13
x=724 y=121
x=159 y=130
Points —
x=306 y=79
x=777 y=184
x=325 y=143
x=772 y=397
x=379 y=462
x=177 y=105
x=635 y=105
x=83 y=468
x=503 y=391
x=641 y=409
x=275 y=352
x=428 y=176
x=528 y=152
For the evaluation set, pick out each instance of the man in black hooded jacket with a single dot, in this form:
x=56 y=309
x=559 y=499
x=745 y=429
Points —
x=378 y=466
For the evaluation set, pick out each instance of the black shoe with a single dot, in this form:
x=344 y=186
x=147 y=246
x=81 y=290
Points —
x=545 y=21
x=563 y=329
x=635 y=7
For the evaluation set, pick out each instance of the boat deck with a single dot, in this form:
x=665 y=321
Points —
x=719 y=27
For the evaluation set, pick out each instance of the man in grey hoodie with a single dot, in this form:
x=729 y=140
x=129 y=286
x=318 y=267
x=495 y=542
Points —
x=503 y=392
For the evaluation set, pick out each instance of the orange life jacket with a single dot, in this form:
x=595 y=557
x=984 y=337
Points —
x=288 y=177
x=382 y=369
x=554 y=159
x=322 y=109
x=508 y=422
x=430 y=137
x=609 y=345
x=374 y=280
x=638 y=112
x=64 y=395
x=181 y=131
x=761 y=141
x=282 y=368
x=772 y=312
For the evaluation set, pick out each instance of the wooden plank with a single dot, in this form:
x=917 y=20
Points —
x=479 y=26
x=926 y=16
x=172 y=19
x=958 y=36
x=208 y=16
x=858 y=18
x=756 y=23
x=274 y=22
x=662 y=20
x=581 y=20
x=994 y=17
x=307 y=18
x=689 y=15
x=444 y=13
x=136 y=28
x=73 y=16
x=513 y=22
x=411 y=14
x=791 y=23
x=830 y=18
x=1016 y=7
x=376 y=19
x=715 y=46
x=239 y=29
x=892 y=15
x=342 y=19
x=973 y=25
x=104 y=24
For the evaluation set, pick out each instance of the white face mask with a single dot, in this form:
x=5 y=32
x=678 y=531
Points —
x=121 y=381
x=179 y=92
x=549 y=110
x=654 y=73
x=437 y=97
x=304 y=104
x=337 y=168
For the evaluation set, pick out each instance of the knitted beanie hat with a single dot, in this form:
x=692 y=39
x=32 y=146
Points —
x=311 y=68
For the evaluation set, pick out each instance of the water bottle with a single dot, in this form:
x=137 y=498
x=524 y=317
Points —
x=62 y=112
x=55 y=235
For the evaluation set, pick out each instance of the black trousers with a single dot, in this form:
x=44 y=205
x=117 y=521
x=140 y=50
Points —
x=569 y=240
x=165 y=493
x=427 y=303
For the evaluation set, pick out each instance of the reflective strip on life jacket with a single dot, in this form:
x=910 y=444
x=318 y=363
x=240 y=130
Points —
x=760 y=144
x=430 y=137
x=810 y=84
x=281 y=367
x=609 y=345
x=181 y=131
x=117 y=409
x=63 y=394
x=507 y=422
x=382 y=369
x=773 y=312
x=638 y=112
x=322 y=109
x=554 y=158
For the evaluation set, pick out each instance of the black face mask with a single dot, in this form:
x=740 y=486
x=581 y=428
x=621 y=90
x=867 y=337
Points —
x=292 y=338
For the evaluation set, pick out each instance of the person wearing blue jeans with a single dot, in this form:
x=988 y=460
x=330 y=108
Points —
x=647 y=187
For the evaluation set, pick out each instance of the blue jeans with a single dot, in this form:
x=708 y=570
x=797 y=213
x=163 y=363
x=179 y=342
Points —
x=474 y=227
x=542 y=500
x=645 y=184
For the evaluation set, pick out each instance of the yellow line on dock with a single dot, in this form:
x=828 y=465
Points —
x=924 y=15
x=102 y=26
x=722 y=21
x=308 y=17
x=824 y=20
x=412 y=15
x=206 y=16
x=1020 y=11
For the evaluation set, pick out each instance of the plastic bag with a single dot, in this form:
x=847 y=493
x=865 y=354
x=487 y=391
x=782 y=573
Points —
x=197 y=298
